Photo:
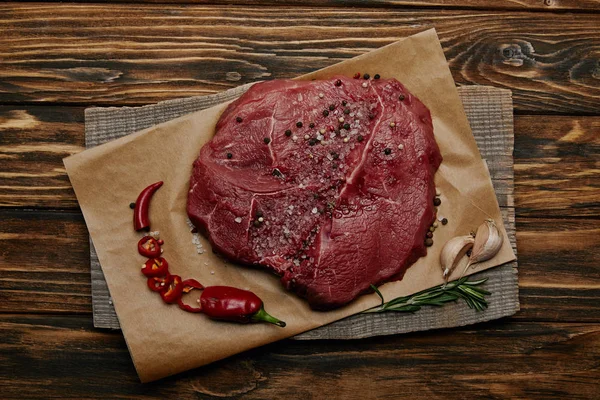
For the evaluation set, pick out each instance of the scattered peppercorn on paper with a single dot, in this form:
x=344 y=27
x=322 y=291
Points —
x=107 y=178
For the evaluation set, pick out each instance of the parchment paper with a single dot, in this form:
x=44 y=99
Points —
x=108 y=177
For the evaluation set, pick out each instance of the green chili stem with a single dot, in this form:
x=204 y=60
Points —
x=264 y=316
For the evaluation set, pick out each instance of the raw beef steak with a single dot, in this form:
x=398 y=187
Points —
x=327 y=183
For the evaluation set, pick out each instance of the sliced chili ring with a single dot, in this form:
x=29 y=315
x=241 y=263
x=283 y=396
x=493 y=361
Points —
x=155 y=267
x=188 y=308
x=173 y=291
x=159 y=284
x=191 y=284
x=188 y=286
x=149 y=247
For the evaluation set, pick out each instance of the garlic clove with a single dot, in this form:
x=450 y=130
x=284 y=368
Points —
x=452 y=252
x=488 y=241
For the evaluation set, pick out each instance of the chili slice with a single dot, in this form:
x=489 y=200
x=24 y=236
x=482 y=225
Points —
x=191 y=284
x=173 y=291
x=149 y=247
x=188 y=286
x=159 y=284
x=142 y=205
x=155 y=267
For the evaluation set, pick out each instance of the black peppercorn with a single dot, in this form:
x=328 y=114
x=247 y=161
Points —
x=346 y=126
x=344 y=102
x=331 y=107
x=359 y=138
x=376 y=76
x=312 y=141
x=428 y=242
x=256 y=223
x=437 y=201
x=267 y=140
x=239 y=119
x=338 y=83
x=387 y=151
x=229 y=155
x=347 y=111
x=311 y=125
x=288 y=133
x=366 y=76
x=401 y=97
x=444 y=221
x=325 y=113
x=132 y=205
x=259 y=214
x=299 y=124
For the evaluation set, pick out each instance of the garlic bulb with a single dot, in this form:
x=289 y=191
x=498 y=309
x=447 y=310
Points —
x=454 y=250
x=488 y=242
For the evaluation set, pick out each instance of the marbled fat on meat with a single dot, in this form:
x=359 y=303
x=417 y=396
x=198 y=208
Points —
x=332 y=208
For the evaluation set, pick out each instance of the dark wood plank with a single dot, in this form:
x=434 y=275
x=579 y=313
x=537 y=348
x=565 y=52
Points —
x=33 y=142
x=44 y=262
x=82 y=54
x=537 y=5
x=45 y=266
x=52 y=356
x=556 y=160
x=544 y=145
x=559 y=269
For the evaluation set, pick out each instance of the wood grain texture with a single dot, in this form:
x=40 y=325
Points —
x=33 y=142
x=48 y=355
x=537 y=5
x=45 y=266
x=556 y=161
x=545 y=144
x=44 y=262
x=82 y=54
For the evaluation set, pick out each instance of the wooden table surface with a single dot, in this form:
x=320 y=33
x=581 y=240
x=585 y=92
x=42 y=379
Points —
x=58 y=58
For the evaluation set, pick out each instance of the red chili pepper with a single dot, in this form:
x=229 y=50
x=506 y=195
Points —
x=159 y=284
x=142 y=204
x=188 y=286
x=155 y=267
x=173 y=291
x=356 y=75
x=149 y=247
x=233 y=304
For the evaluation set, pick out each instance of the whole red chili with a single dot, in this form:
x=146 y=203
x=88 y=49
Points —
x=173 y=291
x=142 y=204
x=155 y=267
x=233 y=304
x=159 y=283
x=188 y=286
x=149 y=247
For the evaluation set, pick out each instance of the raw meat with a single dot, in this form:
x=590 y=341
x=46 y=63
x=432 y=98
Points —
x=328 y=183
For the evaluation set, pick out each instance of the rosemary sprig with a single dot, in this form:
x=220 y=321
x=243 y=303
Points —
x=437 y=296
